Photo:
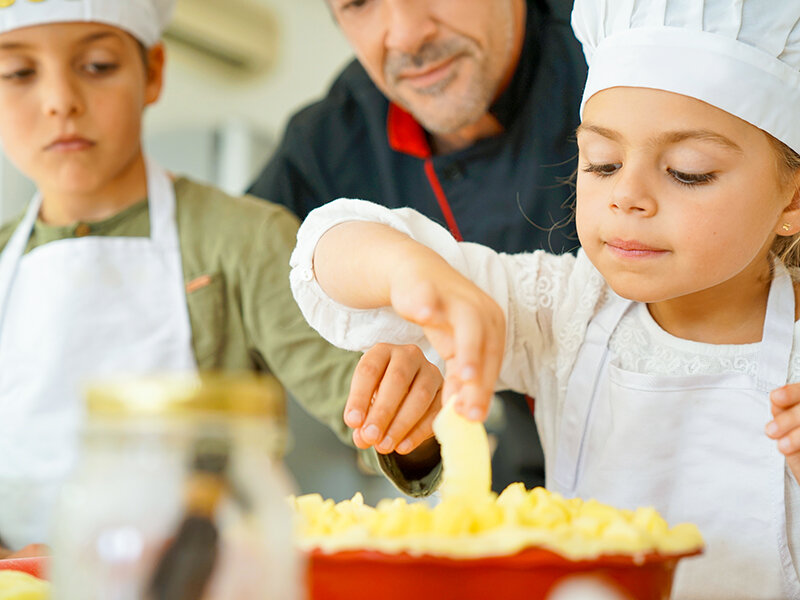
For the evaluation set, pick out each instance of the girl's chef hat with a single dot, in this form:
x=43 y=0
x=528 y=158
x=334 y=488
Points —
x=742 y=56
x=144 y=19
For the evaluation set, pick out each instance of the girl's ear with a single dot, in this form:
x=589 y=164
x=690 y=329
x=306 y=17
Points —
x=155 y=73
x=789 y=223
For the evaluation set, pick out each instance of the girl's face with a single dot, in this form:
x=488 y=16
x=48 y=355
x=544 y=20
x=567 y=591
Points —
x=675 y=196
x=71 y=102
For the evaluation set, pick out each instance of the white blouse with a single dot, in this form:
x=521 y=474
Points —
x=548 y=301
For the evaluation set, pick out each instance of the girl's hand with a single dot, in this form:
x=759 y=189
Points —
x=394 y=396
x=785 y=426
x=464 y=324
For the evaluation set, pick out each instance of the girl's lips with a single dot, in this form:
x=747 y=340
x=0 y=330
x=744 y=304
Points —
x=633 y=249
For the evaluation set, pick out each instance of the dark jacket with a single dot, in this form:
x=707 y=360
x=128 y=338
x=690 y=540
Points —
x=506 y=191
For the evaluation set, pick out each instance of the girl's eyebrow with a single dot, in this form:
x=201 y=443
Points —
x=669 y=137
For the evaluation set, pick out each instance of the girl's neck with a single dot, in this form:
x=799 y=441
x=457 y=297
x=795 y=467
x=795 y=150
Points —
x=127 y=188
x=729 y=313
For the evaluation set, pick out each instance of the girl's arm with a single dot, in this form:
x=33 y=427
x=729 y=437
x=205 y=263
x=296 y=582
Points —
x=367 y=265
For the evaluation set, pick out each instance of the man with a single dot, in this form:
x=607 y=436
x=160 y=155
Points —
x=462 y=109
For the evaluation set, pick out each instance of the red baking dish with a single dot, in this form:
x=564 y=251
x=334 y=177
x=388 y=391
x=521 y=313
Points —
x=36 y=566
x=530 y=574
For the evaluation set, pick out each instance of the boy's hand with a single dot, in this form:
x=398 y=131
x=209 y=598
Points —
x=394 y=396
x=785 y=426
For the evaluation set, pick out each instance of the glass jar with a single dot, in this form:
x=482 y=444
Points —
x=179 y=493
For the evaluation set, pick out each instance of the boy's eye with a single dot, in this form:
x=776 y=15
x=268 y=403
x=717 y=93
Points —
x=602 y=169
x=691 y=179
x=352 y=4
x=18 y=75
x=100 y=68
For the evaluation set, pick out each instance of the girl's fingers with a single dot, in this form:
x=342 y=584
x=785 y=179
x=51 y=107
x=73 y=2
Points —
x=783 y=423
x=479 y=347
x=421 y=396
x=786 y=396
x=790 y=443
x=366 y=377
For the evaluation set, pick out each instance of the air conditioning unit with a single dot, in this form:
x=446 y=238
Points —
x=238 y=36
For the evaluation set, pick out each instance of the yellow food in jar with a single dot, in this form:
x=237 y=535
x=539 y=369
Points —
x=16 y=585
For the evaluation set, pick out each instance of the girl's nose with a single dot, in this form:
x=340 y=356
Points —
x=409 y=25
x=632 y=194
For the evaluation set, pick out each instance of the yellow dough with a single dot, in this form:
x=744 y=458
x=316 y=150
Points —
x=471 y=521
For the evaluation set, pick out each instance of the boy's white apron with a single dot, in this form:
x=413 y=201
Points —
x=71 y=310
x=695 y=448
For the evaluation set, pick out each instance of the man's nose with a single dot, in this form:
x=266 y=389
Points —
x=410 y=25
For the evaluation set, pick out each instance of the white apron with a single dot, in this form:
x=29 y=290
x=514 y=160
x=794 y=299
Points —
x=692 y=446
x=71 y=310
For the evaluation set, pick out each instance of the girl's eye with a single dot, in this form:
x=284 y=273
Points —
x=602 y=169
x=18 y=75
x=100 y=68
x=691 y=179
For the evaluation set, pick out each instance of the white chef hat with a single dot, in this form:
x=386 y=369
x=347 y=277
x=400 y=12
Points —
x=144 y=19
x=742 y=56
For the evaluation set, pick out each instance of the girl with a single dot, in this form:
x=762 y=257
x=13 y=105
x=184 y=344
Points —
x=652 y=353
x=117 y=267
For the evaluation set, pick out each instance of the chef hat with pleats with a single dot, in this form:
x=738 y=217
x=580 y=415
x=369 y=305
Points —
x=742 y=56
x=144 y=19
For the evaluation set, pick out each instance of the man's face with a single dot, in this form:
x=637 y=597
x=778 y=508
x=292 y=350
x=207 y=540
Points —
x=442 y=60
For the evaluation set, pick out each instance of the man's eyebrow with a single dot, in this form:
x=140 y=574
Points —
x=670 y=137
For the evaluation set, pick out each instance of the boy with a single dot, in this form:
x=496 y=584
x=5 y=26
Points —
x=117 y=267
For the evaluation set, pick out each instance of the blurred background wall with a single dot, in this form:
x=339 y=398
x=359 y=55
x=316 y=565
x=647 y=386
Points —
x=236 y=71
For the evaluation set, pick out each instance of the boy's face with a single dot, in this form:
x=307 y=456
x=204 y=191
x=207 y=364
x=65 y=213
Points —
x=675 y=197
x=71 y=102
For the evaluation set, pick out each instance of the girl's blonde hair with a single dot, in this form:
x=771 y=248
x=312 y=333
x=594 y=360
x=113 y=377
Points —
x=787 y=248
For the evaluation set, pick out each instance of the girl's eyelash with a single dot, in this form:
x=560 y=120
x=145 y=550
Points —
x=602 y=169
x=692 y=179
x=681 y=178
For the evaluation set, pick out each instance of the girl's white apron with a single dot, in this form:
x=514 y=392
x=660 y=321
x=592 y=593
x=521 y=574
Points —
x=71 y=310
x=692 y=446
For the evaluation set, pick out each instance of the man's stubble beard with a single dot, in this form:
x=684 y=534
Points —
x=448 y=113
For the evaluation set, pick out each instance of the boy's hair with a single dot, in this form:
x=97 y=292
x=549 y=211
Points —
x=787 y=248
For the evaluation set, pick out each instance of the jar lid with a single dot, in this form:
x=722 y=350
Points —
x=223 y=394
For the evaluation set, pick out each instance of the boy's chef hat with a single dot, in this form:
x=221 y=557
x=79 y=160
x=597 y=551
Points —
x=742 y=56
x=144 y=19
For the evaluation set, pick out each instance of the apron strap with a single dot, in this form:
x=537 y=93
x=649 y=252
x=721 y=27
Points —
x=581 y=390
x=777 y=339
x=15 y=248
x=161 y=201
